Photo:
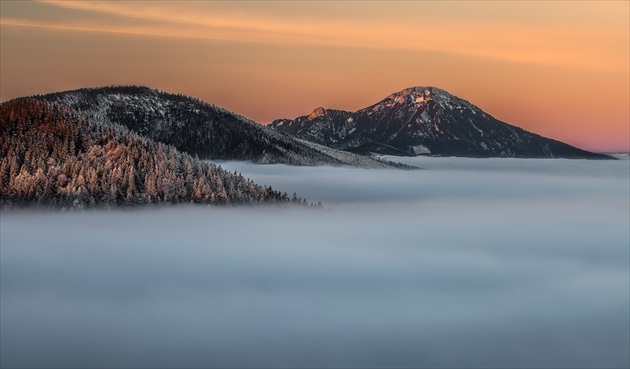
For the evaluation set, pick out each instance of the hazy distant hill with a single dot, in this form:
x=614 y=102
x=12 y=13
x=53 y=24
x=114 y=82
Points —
x=199 y=128
x=53 y=155
x=424 y=121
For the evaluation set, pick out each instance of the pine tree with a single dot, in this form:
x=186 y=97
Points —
x=51 y=155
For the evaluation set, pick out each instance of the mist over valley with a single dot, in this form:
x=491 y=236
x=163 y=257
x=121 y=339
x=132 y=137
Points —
x=467 y=263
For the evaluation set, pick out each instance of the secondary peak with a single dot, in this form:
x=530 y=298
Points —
x=320 y=111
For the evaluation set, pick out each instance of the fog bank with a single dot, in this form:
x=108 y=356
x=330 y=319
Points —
x=469 y=263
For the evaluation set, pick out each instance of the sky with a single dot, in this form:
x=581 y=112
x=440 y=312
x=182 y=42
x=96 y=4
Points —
x=560 y=69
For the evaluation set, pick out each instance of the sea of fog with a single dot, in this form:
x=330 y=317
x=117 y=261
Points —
x=466 y=263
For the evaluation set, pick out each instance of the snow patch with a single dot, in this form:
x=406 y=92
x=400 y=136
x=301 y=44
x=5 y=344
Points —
x=425 y=116
x=475 y=127
x=420 y=150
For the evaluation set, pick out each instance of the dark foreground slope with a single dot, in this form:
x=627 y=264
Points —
x=199 y=128
x=52 y=155
x=425 y=121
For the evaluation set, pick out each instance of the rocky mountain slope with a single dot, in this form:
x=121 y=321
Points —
x=424 y=121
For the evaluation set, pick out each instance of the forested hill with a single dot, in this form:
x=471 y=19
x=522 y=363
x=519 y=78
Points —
x=53 y=155
x=199 y=128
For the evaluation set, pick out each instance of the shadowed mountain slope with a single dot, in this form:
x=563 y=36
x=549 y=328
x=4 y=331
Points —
x=425 y=121
x=199 y=128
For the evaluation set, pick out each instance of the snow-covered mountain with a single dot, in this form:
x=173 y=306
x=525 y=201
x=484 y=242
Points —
x=424 y=121
x=199 y=128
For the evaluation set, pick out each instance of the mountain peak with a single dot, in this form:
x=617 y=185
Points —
x=418 y=94
x=426 y=120
x=318 y=112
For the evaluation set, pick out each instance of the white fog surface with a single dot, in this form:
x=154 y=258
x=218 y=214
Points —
x=469 y=263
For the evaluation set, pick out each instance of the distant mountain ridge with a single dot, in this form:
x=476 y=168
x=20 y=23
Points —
x=199 y=128
x=424 y=121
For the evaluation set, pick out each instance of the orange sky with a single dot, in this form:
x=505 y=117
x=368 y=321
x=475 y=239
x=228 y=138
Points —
x=560 y=69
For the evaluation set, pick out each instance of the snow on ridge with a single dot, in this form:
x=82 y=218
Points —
x=421 y=94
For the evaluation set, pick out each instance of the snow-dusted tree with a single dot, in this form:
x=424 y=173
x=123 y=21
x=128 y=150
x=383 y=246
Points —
x=51 y=154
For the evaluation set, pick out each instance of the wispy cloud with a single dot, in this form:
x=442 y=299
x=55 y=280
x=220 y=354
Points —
x=544 y=44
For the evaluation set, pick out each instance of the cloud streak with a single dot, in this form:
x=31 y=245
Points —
x=544 y=44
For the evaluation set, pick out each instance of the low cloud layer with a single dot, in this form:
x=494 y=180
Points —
x=446 y=179
x=469 y=263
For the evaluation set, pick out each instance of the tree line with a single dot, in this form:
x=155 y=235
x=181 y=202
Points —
x=53 y=155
